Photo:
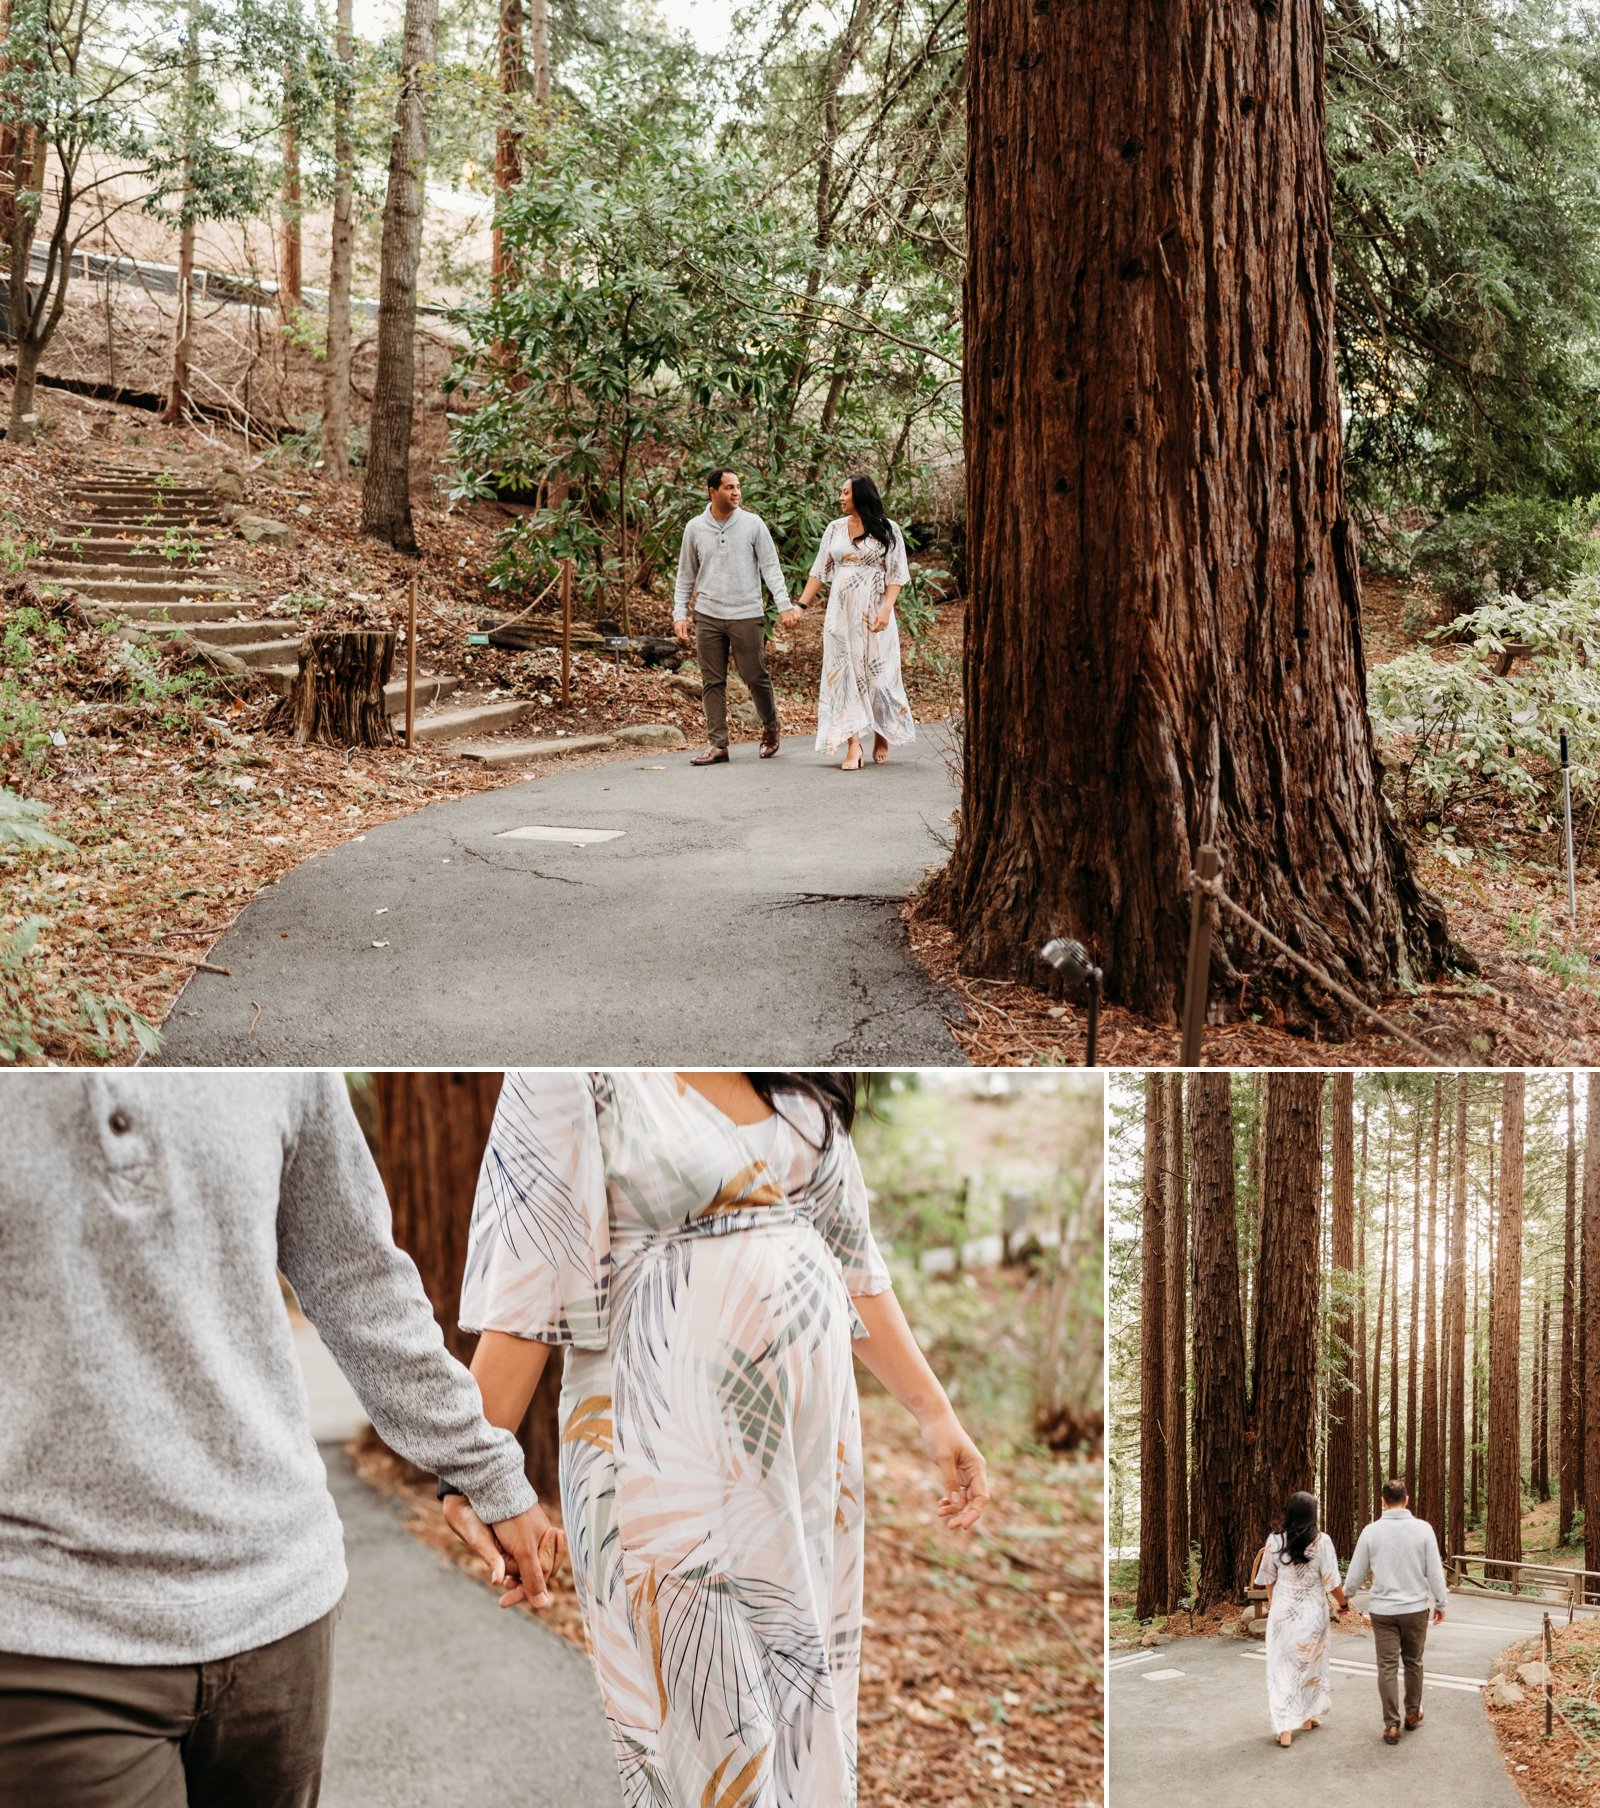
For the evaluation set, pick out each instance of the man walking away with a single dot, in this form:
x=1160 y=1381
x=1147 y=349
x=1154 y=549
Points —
x=726 y=553
x=1401 y=1554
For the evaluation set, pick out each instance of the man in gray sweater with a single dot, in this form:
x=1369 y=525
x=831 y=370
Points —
x=170 y=1557
x=1401 y=1555
x=726 y=555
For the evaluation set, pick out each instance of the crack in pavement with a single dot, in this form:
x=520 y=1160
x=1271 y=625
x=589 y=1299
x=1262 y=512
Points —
x=501 y=867
x=803 y=898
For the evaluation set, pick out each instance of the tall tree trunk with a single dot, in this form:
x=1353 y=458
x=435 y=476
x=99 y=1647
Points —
x=1392 y=1206
x=1339 y=1492
x=386 y=491
x=1175 y=1415
x=1154 y=1595
x=431 y=1130
x=1284 y=1369
x=1456 y=1286
x=1221 y=1423
x=1364 y=1488
x=1150 y=382
x=1430 y=1454
x=508 y=132
x=1502 y=1536
x=336 y=373
x=1379 y=1472
x=1591 y=1376
x=183 y=325
x=290 y=255
x=1570 y=1454
x=1541 y=1420
x=1416 y=1309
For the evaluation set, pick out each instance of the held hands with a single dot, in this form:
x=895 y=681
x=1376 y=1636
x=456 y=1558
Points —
x=522 y=1554
x=961 y=1468
x=789 y=617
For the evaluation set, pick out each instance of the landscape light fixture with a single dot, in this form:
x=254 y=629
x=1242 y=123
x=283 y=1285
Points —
x=1072 y=958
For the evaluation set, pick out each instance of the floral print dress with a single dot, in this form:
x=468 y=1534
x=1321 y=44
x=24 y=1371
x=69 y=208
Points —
x=700 y=1273
x=862 y=692
x=1298 y=1678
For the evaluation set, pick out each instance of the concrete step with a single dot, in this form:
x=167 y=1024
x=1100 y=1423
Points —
x=111 y=552
x=479 y=718
x=261 y=653
x=132 y=533
x=431 y=688
x=63 y=571
x=183 y=609
x=241 y=632
x=140 y=498
x=526 y=753
x=143 y=520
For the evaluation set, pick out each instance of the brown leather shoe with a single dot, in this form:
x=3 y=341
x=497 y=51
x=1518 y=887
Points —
x=1413 y=1721
x=713 y=756
x=769 y=746
x=1391 y=1735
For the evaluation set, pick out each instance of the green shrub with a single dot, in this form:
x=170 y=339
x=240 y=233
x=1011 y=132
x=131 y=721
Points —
x=1510 y=545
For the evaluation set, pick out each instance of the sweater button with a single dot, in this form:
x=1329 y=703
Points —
x=120 y=1123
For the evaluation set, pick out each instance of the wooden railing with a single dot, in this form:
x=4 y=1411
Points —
x=1520 y=1580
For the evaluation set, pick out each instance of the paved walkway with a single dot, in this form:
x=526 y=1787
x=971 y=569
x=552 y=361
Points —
x=438 y=1695
x=1188 y=1722
x=744 y=915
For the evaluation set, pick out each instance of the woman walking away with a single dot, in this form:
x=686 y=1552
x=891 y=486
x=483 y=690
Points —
x=1300 y=1571
x=863 y=561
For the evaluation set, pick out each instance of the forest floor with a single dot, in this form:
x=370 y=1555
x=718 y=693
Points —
x=180 y=803
x=981 y=1679
x=1562 y=1771
x=1534 y=1002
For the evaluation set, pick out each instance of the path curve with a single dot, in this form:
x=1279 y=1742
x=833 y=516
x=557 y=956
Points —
x=746 y=916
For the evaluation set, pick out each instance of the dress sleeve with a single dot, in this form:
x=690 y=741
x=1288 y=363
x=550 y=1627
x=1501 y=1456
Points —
x=1267 y=1569
x=822 y=564
x=1330 y=1564
x=844 y=1222
x=539 y=1248
x=896 y=570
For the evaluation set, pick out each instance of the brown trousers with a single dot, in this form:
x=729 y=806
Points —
x=713 y=638
x=242 y=1732
x=1400 y=1637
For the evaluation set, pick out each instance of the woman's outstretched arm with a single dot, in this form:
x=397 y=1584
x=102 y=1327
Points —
x=889 y=1352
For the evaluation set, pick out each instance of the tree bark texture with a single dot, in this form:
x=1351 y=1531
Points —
x=1541 y=1406
x=386 y=491
x=1175 y=1415
x=336 y=374
x=337 y=694
x=1379 y=1473
x=1415 y=1313
x=1456 y=1287
x=1590 y=1374
x=291 y=261
x=1221 y=1423
x=1339 y=1491
x=1150 y=385
x=1569 y=1455
x=1364 y=1488
x=1502 y=1533
x=431 y=1132
x=1284 y=1368
x=1154 y=1594
x=1430 y=1453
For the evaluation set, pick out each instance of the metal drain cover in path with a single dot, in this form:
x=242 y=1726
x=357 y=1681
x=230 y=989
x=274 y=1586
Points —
x=573 y=837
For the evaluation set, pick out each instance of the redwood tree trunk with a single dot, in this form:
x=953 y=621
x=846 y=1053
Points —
x=1456 y=1484
x=1569 y=1455
x=1541 y=1399
x=1589 y=1390
x=1154 y=1595
x=1339 y=1493
x=1430 y=1455
x=1284 y=1368
x=386 y=492
x=431 y=1132
x=1221 y=1423
x=508 y=131
x=1416 y=1311
x=1364 y=1488
x=1175 y=1415
x=1150 y=386
x=1379 y=1473
x=1502 y=1532
x=336 y=374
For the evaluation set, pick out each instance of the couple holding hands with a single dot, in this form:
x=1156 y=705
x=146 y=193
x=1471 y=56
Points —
x=726 y=555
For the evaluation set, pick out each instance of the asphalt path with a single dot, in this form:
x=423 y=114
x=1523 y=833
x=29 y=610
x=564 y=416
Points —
x=740 y=915
x=1188 y=1722
x=438 y=1695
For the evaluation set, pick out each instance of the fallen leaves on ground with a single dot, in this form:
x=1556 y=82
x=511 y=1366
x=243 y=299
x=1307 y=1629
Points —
x=1562 y=1771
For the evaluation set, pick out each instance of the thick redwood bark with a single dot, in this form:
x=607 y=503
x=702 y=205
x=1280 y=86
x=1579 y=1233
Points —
x=1456 y=1290
x=1150 y=387
x=336 y=371
x=1379 y=1472
x=1568 y=1453
x=386 y=491
x=1589 y=1393
x=1396 y=1450
x=337 y=695
x=1502 y=1532
x=1541 y=1397
x=1430 y=1452
x=1416 y=1311
x=1221 y=1424
x=1284 y=1368
x=1154 y=1595
x=1175 y=1415
x=1364 y=1489
x=1339 y=1492
x=430 y=1133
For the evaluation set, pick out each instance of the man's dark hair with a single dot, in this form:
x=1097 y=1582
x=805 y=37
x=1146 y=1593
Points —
x=715 y=476
x=1394 y=1492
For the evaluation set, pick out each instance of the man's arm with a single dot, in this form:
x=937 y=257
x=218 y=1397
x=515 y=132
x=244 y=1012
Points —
x=336 y=1245
x=771 y=570
x=1436 y=1576
x=688 y=571
x=1360 y=1564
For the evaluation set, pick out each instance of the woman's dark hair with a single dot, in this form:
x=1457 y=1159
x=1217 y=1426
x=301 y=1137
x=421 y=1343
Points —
x=834 y=1093
x=1299 y=1528
x=868 y=504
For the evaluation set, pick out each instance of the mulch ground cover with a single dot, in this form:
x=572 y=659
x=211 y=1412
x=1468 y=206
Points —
x=1562 y=1771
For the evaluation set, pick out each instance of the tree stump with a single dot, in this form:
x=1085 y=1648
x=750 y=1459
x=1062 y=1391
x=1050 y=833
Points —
x=337 y=695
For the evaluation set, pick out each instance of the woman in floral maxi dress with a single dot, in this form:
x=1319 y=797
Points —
x=862 y=559
x=700 y=1245
x=1300 y=1569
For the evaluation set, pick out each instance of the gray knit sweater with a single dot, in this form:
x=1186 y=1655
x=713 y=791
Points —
x=161 y=1498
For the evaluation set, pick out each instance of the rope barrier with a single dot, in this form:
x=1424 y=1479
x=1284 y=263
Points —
x=1320 y=974
x=535 y=603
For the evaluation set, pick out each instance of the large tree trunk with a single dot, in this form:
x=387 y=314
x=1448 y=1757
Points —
x=1284 y=1368
x=1416 y=1309
x=1339 y=1492
x=336 y=373
x=1221 y=1422
x=1456 y=1288
x=1150 y=385
x=508 y=132
x=1430 y=1454
x=1502 y=1533
x=431 y=1132
x=1175 y=1415
x=1364 y=1489
x=183 y=324
x=1154 y=1595
x=1589 y=1373
x=336 y=696
x=386 y=492
x=1541 y=1410
x=1379 y=1473
x=1393 y=1213
x=291 y=261
x=1569 y=1455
